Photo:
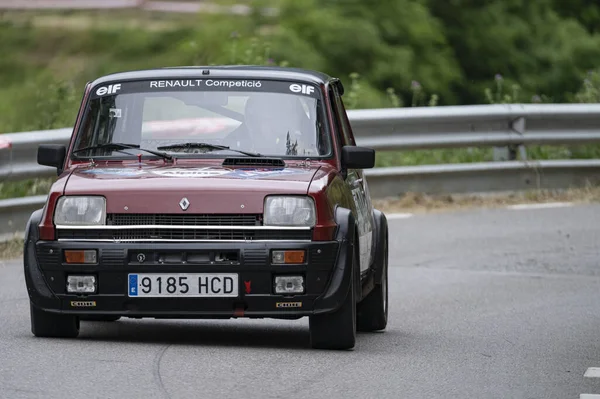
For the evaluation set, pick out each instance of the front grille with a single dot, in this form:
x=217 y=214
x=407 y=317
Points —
x=166 y=234
x=147 y=219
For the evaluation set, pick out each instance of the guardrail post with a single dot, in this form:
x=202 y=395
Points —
x=505 y=153
x=509 y=153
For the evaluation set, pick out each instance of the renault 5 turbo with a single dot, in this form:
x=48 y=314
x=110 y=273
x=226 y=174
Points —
x=210 y=192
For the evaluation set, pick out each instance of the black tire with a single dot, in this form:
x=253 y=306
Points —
x=337 y=330
x=45 y=324
x=93 y=317
x=372 y=311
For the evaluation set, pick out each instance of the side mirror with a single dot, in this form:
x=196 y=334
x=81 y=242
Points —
x=52 y=155
x=357 y=157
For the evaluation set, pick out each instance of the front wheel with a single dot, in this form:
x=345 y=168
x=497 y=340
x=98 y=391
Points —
x=337 y=330
x=372 y=311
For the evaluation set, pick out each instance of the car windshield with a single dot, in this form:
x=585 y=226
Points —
x=192 y=118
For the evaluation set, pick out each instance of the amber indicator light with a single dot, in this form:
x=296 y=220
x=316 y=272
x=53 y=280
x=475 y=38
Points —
x=294 y=256
x=80 y=256
x=288 y=257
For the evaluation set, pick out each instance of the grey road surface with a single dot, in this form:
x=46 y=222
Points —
x=484 y=304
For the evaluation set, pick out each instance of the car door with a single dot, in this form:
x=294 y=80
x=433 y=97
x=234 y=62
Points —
x=357 y=184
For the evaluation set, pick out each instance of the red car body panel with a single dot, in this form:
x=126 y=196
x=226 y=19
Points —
x=157 y=188
x=210 y=189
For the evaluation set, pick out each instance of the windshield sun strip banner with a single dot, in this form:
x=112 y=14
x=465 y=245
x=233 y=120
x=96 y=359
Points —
x=205 y=85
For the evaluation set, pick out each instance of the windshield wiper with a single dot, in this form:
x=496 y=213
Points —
x=208 y=146
x=123 y=146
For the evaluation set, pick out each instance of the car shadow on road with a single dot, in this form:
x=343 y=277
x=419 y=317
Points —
x=292 y=335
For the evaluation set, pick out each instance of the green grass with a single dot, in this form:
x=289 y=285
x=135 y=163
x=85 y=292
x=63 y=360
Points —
x=427 y=157
x=465 y=155
x=11 y=249
x=420 y=202
x=25 y=188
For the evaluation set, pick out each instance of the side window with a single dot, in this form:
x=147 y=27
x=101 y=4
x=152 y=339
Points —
x=339 y=131
x=97 y=128
x=346 y=130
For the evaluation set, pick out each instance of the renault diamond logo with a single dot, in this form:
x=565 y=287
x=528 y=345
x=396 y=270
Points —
x=184 y=203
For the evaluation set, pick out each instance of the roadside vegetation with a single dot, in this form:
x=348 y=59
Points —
x=11 y=249
x=389 y=53
x=426 y=203
x=25 y=188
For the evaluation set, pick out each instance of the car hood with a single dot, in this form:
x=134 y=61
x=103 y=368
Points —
x=209 y=189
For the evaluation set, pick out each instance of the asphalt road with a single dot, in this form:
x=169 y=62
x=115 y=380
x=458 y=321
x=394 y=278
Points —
x=484 y=304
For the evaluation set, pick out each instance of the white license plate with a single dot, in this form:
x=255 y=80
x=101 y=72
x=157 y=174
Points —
x=183 y=285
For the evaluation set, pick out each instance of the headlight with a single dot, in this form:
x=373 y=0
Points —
x=80 y=211
x=289 y=211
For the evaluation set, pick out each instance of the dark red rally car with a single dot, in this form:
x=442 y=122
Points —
x=210 y=192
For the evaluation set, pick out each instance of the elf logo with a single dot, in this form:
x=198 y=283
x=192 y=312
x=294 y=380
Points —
x=304 y=89
x=111 y=89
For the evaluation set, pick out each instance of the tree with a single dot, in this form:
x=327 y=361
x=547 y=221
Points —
x=525 y=41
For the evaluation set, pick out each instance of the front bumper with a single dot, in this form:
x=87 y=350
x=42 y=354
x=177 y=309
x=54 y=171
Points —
x=325 y=274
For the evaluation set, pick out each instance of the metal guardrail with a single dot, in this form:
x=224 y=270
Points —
x=512 y=125
x=21 y=151
x=483 y=177
x=477 y=125
x=15 y=212
x=394 y=129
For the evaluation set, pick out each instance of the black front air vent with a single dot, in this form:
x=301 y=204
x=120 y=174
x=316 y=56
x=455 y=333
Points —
x=253 y=162
x=112 y=257
x=256 y=257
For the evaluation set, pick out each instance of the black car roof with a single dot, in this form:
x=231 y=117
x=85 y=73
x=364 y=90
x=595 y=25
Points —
x=221 y=71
